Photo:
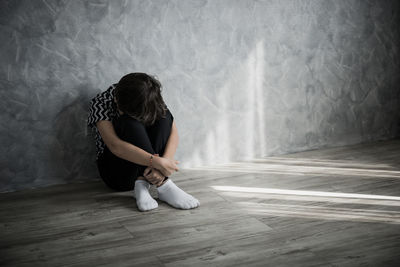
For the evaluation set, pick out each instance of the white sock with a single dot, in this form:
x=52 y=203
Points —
x=176 y=197
x=143 y=199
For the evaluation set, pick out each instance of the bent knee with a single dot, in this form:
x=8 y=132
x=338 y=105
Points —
x=127 y=124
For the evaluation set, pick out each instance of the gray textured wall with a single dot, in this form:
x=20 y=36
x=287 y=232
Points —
x=243 y=78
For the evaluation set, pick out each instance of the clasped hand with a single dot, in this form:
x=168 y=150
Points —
x=154 y=176
x=162 y=167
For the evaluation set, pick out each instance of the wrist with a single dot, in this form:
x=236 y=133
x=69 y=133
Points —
x=154 y=163
x=168 y=156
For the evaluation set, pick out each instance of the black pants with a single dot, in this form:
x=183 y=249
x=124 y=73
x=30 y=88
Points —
x=120 y=174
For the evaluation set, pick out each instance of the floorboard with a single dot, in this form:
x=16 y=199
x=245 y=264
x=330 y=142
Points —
x=327 y=207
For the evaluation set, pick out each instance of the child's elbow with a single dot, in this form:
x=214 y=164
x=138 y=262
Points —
x=115 y=148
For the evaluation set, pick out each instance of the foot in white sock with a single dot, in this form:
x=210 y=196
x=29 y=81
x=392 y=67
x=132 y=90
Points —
x=176 y=197
x=144 y=200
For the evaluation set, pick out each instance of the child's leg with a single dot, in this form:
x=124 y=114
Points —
x=144 y=200
x=121 y=174
x=176 y=197
x=159 y=133
x=169 y=192
x=118 y=173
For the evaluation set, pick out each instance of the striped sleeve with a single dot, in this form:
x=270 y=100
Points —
x=100 y=107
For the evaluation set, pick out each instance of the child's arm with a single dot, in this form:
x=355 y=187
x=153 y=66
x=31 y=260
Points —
x=172 y=143
x=132 y=153
x=119 y=147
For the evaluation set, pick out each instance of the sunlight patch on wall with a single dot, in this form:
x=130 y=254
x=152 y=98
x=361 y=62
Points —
x=235 y=118
x=255 y=132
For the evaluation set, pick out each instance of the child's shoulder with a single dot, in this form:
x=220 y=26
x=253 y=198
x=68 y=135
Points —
x=111 y=88
x=109 y=92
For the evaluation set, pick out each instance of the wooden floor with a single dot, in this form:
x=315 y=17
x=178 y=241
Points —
x=330 y=207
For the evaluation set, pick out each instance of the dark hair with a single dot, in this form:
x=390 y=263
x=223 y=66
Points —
x=139 y=96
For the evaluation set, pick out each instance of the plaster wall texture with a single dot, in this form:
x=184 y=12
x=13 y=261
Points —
x=242 y=78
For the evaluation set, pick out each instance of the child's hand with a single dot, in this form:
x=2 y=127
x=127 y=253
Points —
x=154 y=176
x=165 y=165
